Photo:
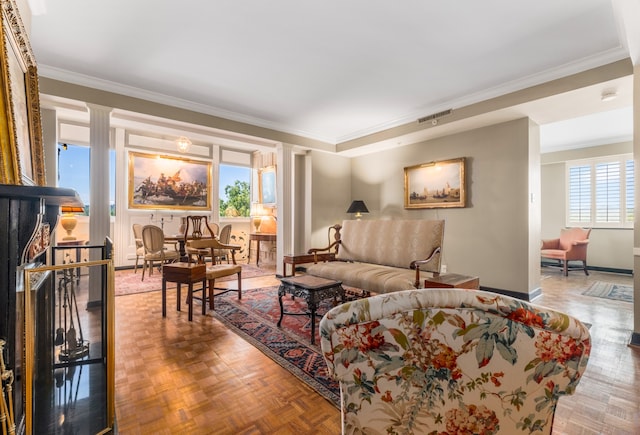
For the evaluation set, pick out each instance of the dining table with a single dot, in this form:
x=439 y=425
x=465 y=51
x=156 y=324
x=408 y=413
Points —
x=180 y=239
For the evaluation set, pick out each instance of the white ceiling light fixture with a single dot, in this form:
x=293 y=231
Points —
x=608 y=95
x=183 y=144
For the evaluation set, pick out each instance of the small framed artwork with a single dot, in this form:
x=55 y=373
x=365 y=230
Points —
x=268 y=185
x=21 y=152
x=435 y=184
x=162 y=182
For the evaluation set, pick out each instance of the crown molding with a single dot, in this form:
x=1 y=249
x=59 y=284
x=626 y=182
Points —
x=131 y=91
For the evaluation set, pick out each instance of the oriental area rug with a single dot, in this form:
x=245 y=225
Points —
x=608 y=290
x=128 y=282
x=255 y=319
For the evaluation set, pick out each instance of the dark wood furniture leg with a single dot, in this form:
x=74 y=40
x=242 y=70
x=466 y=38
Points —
x=257 y=252
x=164 y=297
x=178 y=297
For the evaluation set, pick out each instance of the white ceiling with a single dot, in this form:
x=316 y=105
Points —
x=334 y=70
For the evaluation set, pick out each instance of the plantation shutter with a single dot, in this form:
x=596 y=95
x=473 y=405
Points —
x=608 y=189
x=580 y=194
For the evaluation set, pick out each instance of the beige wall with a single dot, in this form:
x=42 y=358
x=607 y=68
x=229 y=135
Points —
x=330 y=194
x=608 y=248
x=534 y=206
x=490 y=237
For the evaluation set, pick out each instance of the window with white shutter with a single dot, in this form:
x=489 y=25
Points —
x=601 y=192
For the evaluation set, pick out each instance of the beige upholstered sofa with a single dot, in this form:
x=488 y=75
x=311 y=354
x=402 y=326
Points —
x=382 y=256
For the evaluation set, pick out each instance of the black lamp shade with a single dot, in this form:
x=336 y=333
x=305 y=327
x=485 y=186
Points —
x=358 y=207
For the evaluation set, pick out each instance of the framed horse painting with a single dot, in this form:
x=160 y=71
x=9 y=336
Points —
x=163 y=182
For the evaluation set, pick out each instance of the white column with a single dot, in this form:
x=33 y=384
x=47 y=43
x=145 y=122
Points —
x=284 y=179
x=99 y=214
x=122 y=232
x=215 y=174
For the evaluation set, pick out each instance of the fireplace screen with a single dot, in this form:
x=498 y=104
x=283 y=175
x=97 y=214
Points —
x=68 y=349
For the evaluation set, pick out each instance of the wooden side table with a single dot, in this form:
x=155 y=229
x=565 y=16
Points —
x=451 y=280
x=259 y=237
x=184 y=273
x=304 y=258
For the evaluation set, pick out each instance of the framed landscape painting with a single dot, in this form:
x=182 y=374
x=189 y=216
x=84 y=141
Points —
x=435 y=184
x=162 y=182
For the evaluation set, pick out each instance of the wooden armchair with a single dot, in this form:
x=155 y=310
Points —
x=570 y=246
x=333 y=246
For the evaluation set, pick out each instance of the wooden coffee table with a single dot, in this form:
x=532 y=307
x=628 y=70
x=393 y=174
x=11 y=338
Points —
x=313 y=289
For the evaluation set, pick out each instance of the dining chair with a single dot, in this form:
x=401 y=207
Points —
x=223 y=237
x=154 y=249
x=137 y=235
x=197 y=228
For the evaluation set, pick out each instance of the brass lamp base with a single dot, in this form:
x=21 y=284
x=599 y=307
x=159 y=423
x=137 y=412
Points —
x=257 y=221
x=68 y=222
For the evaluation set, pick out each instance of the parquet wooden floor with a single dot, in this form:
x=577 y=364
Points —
x=180 y=377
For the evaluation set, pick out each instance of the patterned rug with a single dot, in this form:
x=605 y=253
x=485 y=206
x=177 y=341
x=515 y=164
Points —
x=128 y=282
x=255 y=319
x=608 y=290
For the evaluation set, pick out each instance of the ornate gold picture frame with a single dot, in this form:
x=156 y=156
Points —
x=435 y=184
x=163 y=182
x=21 y=149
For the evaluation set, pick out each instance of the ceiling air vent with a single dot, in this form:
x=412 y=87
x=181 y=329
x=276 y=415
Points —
x=434 y=117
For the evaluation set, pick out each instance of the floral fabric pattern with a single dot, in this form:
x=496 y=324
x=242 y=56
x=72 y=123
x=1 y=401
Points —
x=451 y=361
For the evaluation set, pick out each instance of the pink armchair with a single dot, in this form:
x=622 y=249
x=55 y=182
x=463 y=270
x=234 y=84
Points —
x=571 y=246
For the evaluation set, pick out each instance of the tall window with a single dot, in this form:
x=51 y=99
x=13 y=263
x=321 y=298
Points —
x=235 y=191
x=74 y=173
x=601 y=192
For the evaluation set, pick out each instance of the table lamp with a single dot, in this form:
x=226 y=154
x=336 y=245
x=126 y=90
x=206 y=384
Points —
x=69 y=219
x=257 y=212
x=358 y=207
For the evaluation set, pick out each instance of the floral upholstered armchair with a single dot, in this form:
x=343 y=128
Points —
x=451 y=361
